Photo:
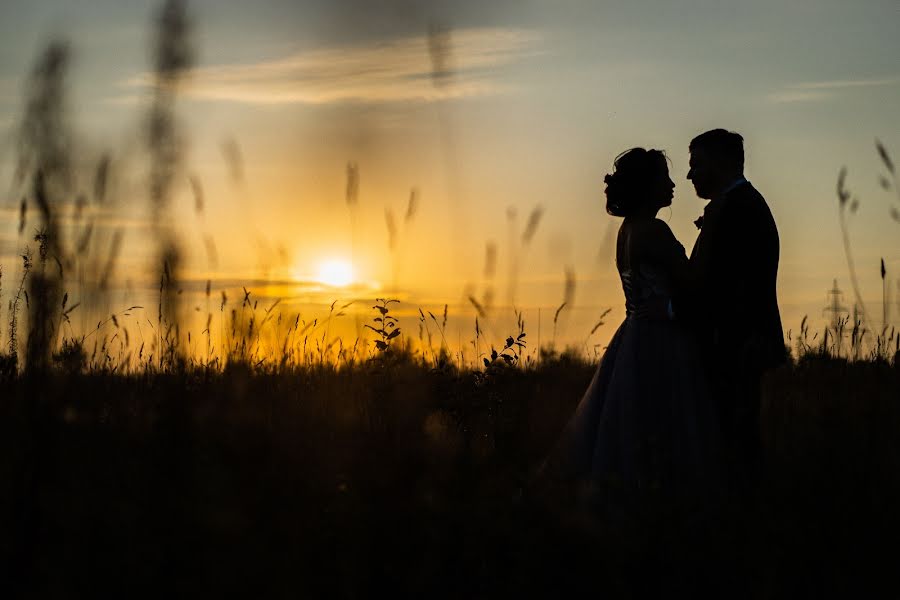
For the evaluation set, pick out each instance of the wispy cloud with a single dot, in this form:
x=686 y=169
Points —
x=791 y=95
x=845 y=83
x=392 y=71
x=817 y=91
x=100 y=219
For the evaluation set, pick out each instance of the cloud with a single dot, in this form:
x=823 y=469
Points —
x=817 y=91
x=793 y=95
x=845 y=83
x=393 y=71
x=99 y=219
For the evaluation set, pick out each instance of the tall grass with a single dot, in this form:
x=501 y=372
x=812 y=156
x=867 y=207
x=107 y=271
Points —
x=172 y=57
x=69 y=267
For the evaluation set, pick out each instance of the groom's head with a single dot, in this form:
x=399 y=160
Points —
x=717 y=159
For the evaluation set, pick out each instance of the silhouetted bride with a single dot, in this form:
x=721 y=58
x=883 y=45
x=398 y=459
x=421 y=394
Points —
x=646 y=422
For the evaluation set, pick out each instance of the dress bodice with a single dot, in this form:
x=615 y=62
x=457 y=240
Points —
x=642 y=284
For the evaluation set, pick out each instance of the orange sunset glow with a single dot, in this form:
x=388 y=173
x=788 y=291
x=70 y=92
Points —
x=450 y=159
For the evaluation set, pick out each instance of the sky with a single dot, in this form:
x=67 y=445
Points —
x=535 y=101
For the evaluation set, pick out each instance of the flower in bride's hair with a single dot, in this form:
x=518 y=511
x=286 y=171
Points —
x=699 y=222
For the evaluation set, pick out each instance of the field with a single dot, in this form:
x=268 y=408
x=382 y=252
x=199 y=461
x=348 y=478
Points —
x=399 y=477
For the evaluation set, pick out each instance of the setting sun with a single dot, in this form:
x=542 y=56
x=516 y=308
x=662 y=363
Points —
x=335 y=272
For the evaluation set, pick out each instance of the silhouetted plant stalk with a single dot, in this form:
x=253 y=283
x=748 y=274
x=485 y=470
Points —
x=44 y=150
x=600 y=323
x=884 y=300
x=23 y=211
x=490 y=270
x=513 y=255
x=510 y=354
x=396 y=240
x=173 y=56
x=385 y=325
x=326 y=344
x=518 y=245
x=886 y=183
x=845 y=205
x=442 y=328
x=44 y=139
x=443 y=77
x=442 y=357
x=96 y=249
x=351 y=198
x=7 y=360
x=14 y=308
x=568 y=298
x=45 y=286
x=477 y=341
x=883 y=348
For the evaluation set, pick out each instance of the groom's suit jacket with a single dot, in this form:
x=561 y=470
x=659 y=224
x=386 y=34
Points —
x=733 y=267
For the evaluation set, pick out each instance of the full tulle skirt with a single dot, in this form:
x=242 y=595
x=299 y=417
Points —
x=646 y=421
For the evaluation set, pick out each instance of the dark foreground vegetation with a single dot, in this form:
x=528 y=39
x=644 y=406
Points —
x=411 y=480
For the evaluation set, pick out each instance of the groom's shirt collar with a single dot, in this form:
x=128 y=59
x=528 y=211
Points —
x=739 y=181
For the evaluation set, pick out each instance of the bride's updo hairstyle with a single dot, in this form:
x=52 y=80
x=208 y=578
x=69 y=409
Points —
x=631 y=185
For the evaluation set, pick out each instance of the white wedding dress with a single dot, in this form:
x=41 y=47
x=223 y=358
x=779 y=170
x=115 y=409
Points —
x=646 y=421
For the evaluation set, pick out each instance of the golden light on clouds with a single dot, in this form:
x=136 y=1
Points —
x=816 y=91
x=394 y=70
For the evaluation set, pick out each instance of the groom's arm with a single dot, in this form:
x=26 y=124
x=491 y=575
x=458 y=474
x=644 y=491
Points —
x=762 y=344
x=685 y=305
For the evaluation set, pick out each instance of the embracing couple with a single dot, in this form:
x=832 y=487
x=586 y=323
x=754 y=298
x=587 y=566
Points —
x=674 y=404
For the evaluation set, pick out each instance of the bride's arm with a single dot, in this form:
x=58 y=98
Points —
x=667 y=252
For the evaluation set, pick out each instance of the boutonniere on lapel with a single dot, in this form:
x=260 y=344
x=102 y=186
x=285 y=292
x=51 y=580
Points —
x=699 y=222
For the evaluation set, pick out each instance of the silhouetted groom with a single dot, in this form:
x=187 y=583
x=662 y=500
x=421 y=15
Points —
x=733 y=305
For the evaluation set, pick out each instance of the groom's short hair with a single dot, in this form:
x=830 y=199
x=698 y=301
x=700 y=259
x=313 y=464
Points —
x=726 y=146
